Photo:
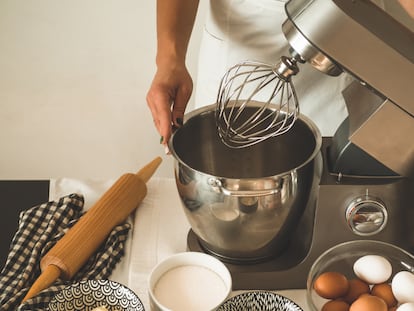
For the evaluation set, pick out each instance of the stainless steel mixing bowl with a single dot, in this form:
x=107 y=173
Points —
x=243 y=204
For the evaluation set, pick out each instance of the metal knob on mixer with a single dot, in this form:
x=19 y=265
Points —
x=366 y=215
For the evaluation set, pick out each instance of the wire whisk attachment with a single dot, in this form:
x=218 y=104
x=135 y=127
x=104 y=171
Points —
x=256 y=101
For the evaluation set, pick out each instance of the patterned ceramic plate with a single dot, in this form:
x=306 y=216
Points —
x=90 y=294
x=259 y=301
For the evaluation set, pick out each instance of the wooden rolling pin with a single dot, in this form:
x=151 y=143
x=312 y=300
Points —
x=73 y=250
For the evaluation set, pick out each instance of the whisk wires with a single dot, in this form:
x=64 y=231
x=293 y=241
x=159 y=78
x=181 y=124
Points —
x=256 y=101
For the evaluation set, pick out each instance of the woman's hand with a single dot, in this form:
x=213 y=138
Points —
x=168 y=96
x=172 y=85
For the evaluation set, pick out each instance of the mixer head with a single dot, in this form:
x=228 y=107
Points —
x=256 y=101
x=377 y=49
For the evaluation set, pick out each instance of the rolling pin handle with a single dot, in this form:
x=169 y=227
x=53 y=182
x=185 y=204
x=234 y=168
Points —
x=148 y=170
x=48 y=276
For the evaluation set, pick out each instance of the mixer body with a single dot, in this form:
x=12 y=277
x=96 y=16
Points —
x=366 y=190
x=361 y=39
x=344 y=208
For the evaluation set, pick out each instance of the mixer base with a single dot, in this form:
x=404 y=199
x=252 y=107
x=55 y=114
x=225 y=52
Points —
x=326 y=225
x=271 y=274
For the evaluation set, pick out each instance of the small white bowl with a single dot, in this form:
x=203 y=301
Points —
x=189 y=281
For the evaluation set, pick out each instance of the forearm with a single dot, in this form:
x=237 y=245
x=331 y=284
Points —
x=175 y=21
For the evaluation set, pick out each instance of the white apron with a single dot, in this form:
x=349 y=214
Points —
x=238 y=30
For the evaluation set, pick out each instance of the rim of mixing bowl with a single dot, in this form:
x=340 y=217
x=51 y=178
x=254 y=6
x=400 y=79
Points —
x=212 y=108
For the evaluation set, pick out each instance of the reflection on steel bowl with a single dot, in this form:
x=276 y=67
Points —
x=243 y=204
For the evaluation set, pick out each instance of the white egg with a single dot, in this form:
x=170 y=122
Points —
x=373 y=269
x=403 y=286
x=408 y=306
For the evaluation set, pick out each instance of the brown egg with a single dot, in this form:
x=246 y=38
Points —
x=331 y=285
x=384 y=291
x=393 y=308
x=335 y=305
x=357 y=287
x=367 y=302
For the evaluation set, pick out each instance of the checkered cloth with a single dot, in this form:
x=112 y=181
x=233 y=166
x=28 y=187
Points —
x=40 y=227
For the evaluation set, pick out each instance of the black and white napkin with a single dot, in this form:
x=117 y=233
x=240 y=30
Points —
x=40 y=227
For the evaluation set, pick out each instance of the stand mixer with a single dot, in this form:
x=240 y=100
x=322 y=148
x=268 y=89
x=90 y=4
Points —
x=366 y=189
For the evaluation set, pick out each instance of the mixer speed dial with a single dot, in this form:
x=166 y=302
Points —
x=366 y=215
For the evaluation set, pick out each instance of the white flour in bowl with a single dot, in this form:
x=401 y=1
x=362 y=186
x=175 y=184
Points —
x=190 y=288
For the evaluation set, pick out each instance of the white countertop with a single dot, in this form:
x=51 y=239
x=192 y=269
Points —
x=160 y=229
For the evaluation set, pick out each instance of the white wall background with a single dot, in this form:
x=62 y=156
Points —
x=73 y=80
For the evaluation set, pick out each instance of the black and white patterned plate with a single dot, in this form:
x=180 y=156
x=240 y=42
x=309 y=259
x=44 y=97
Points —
x=259 y=301
x=90 y=294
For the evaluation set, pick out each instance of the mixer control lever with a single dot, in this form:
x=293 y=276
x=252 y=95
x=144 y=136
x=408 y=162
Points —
x=366 y=215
